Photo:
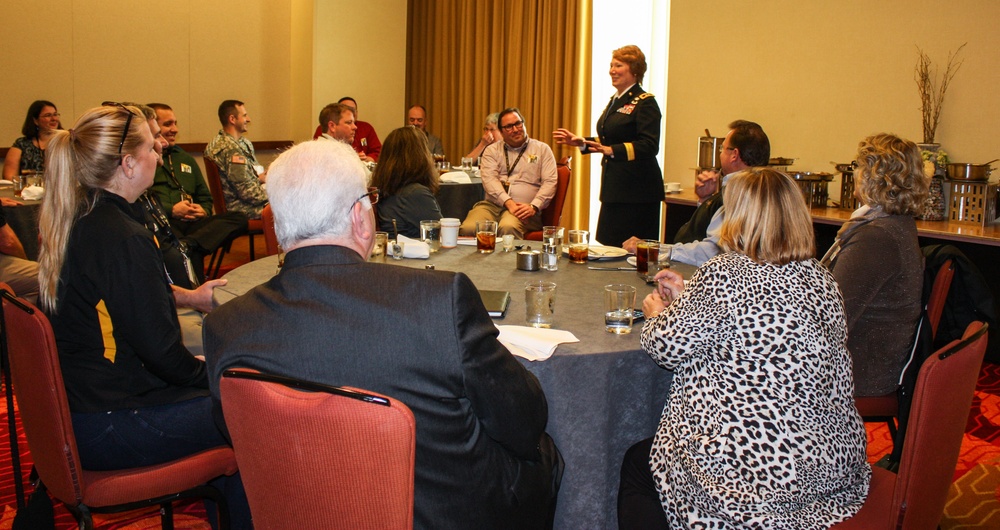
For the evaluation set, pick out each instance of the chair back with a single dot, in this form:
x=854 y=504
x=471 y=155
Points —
x=318 y=456
x=552 y=215
x=270 y=238
x=41 y=398
x=939 y=294
x=937 y=420
x=214 y=180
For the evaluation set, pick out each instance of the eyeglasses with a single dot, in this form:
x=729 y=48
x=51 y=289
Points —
x=128 y=121
x=372 y=196
x=49 y=115
x=511 y=126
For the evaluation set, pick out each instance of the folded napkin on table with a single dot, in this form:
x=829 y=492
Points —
x=534 y=344
x=457 y=177
x=412 y=248
x=5 y=182
x=467 y=240
x=33 y=193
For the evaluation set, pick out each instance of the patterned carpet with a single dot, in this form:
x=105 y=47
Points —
x=974 y=500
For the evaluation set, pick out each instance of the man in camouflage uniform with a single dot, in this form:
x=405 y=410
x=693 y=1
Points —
x=242 y=176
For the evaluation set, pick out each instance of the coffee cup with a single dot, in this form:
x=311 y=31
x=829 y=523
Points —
x=449 y=232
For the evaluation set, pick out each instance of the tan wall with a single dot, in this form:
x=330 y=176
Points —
x=821 y=75
x=361 y=52
x=192 y=55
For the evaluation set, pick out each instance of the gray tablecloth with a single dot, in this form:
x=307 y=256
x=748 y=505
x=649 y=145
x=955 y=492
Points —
x=456 y=200
x=604 y=393
x=23 y=220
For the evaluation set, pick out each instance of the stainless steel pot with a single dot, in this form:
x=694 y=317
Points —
x=708 y=152
x=970 y=171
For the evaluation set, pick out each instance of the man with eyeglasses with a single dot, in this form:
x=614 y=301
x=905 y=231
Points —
x=519 y=180
x=242 y=176
x=423 y=337
x=417 y=117
x=746 y=145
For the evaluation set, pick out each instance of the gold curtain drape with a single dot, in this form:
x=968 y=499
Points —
x=468 y=58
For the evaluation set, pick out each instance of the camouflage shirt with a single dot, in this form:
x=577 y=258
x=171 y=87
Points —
x=240 y=183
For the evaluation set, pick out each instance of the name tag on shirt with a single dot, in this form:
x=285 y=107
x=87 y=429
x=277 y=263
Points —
x=185 y=168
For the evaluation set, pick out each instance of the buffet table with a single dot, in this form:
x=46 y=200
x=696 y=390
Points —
x=683 y=203
x=604 y=393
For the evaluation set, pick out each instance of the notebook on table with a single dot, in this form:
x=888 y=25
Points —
x=496 y=302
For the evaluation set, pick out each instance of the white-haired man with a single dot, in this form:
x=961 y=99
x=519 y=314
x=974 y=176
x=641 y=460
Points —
x=483 y=458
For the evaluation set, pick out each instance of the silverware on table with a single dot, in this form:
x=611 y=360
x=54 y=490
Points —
x=611 y=268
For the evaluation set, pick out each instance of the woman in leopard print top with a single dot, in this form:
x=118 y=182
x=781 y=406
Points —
x=760 y=428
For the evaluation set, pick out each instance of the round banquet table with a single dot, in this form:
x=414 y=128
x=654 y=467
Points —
x=456 y=200
x=23 y=220
x=604 y=393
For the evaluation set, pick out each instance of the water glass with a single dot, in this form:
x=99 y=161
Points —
x=539 y=303
x=508 y=242
x=619 y=301
x=378 y=249
x=430 y=233
x=486 y=236
x=578 y=242
x=466 y=163
x=555 y=237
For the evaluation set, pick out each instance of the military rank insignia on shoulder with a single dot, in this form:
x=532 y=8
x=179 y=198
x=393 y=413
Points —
x=641 y=97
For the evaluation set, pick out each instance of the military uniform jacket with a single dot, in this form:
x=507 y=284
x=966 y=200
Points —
x=180 y=172
x=630 y=125
x=240 y=183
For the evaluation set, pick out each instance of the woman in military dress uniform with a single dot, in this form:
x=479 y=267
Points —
x=628 y=135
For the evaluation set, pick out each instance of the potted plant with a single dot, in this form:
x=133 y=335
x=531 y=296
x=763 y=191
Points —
x=932 y=96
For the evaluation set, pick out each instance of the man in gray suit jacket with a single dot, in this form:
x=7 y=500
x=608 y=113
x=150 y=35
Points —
x=422 y=337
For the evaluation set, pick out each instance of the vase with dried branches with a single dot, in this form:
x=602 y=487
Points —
x=932 y=95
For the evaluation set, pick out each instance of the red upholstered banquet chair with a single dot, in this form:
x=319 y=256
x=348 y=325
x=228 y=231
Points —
x=319 y=456
x=254 y=226
x=552 y=215
x=44 y=409
x=915 y=497
x=270 y=238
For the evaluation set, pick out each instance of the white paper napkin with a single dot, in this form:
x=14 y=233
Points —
x=412 y=248
x=33 y=193
x=457 y=177
x=5 y=182
x=465 y=240
x=534 y=344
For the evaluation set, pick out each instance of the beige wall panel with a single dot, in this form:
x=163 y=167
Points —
x=36 y=61
x=360 y=51
x=819 y=76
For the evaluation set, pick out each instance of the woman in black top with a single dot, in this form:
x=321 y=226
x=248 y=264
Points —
x=407 y=182
x=628 y=135
x=136 y=395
